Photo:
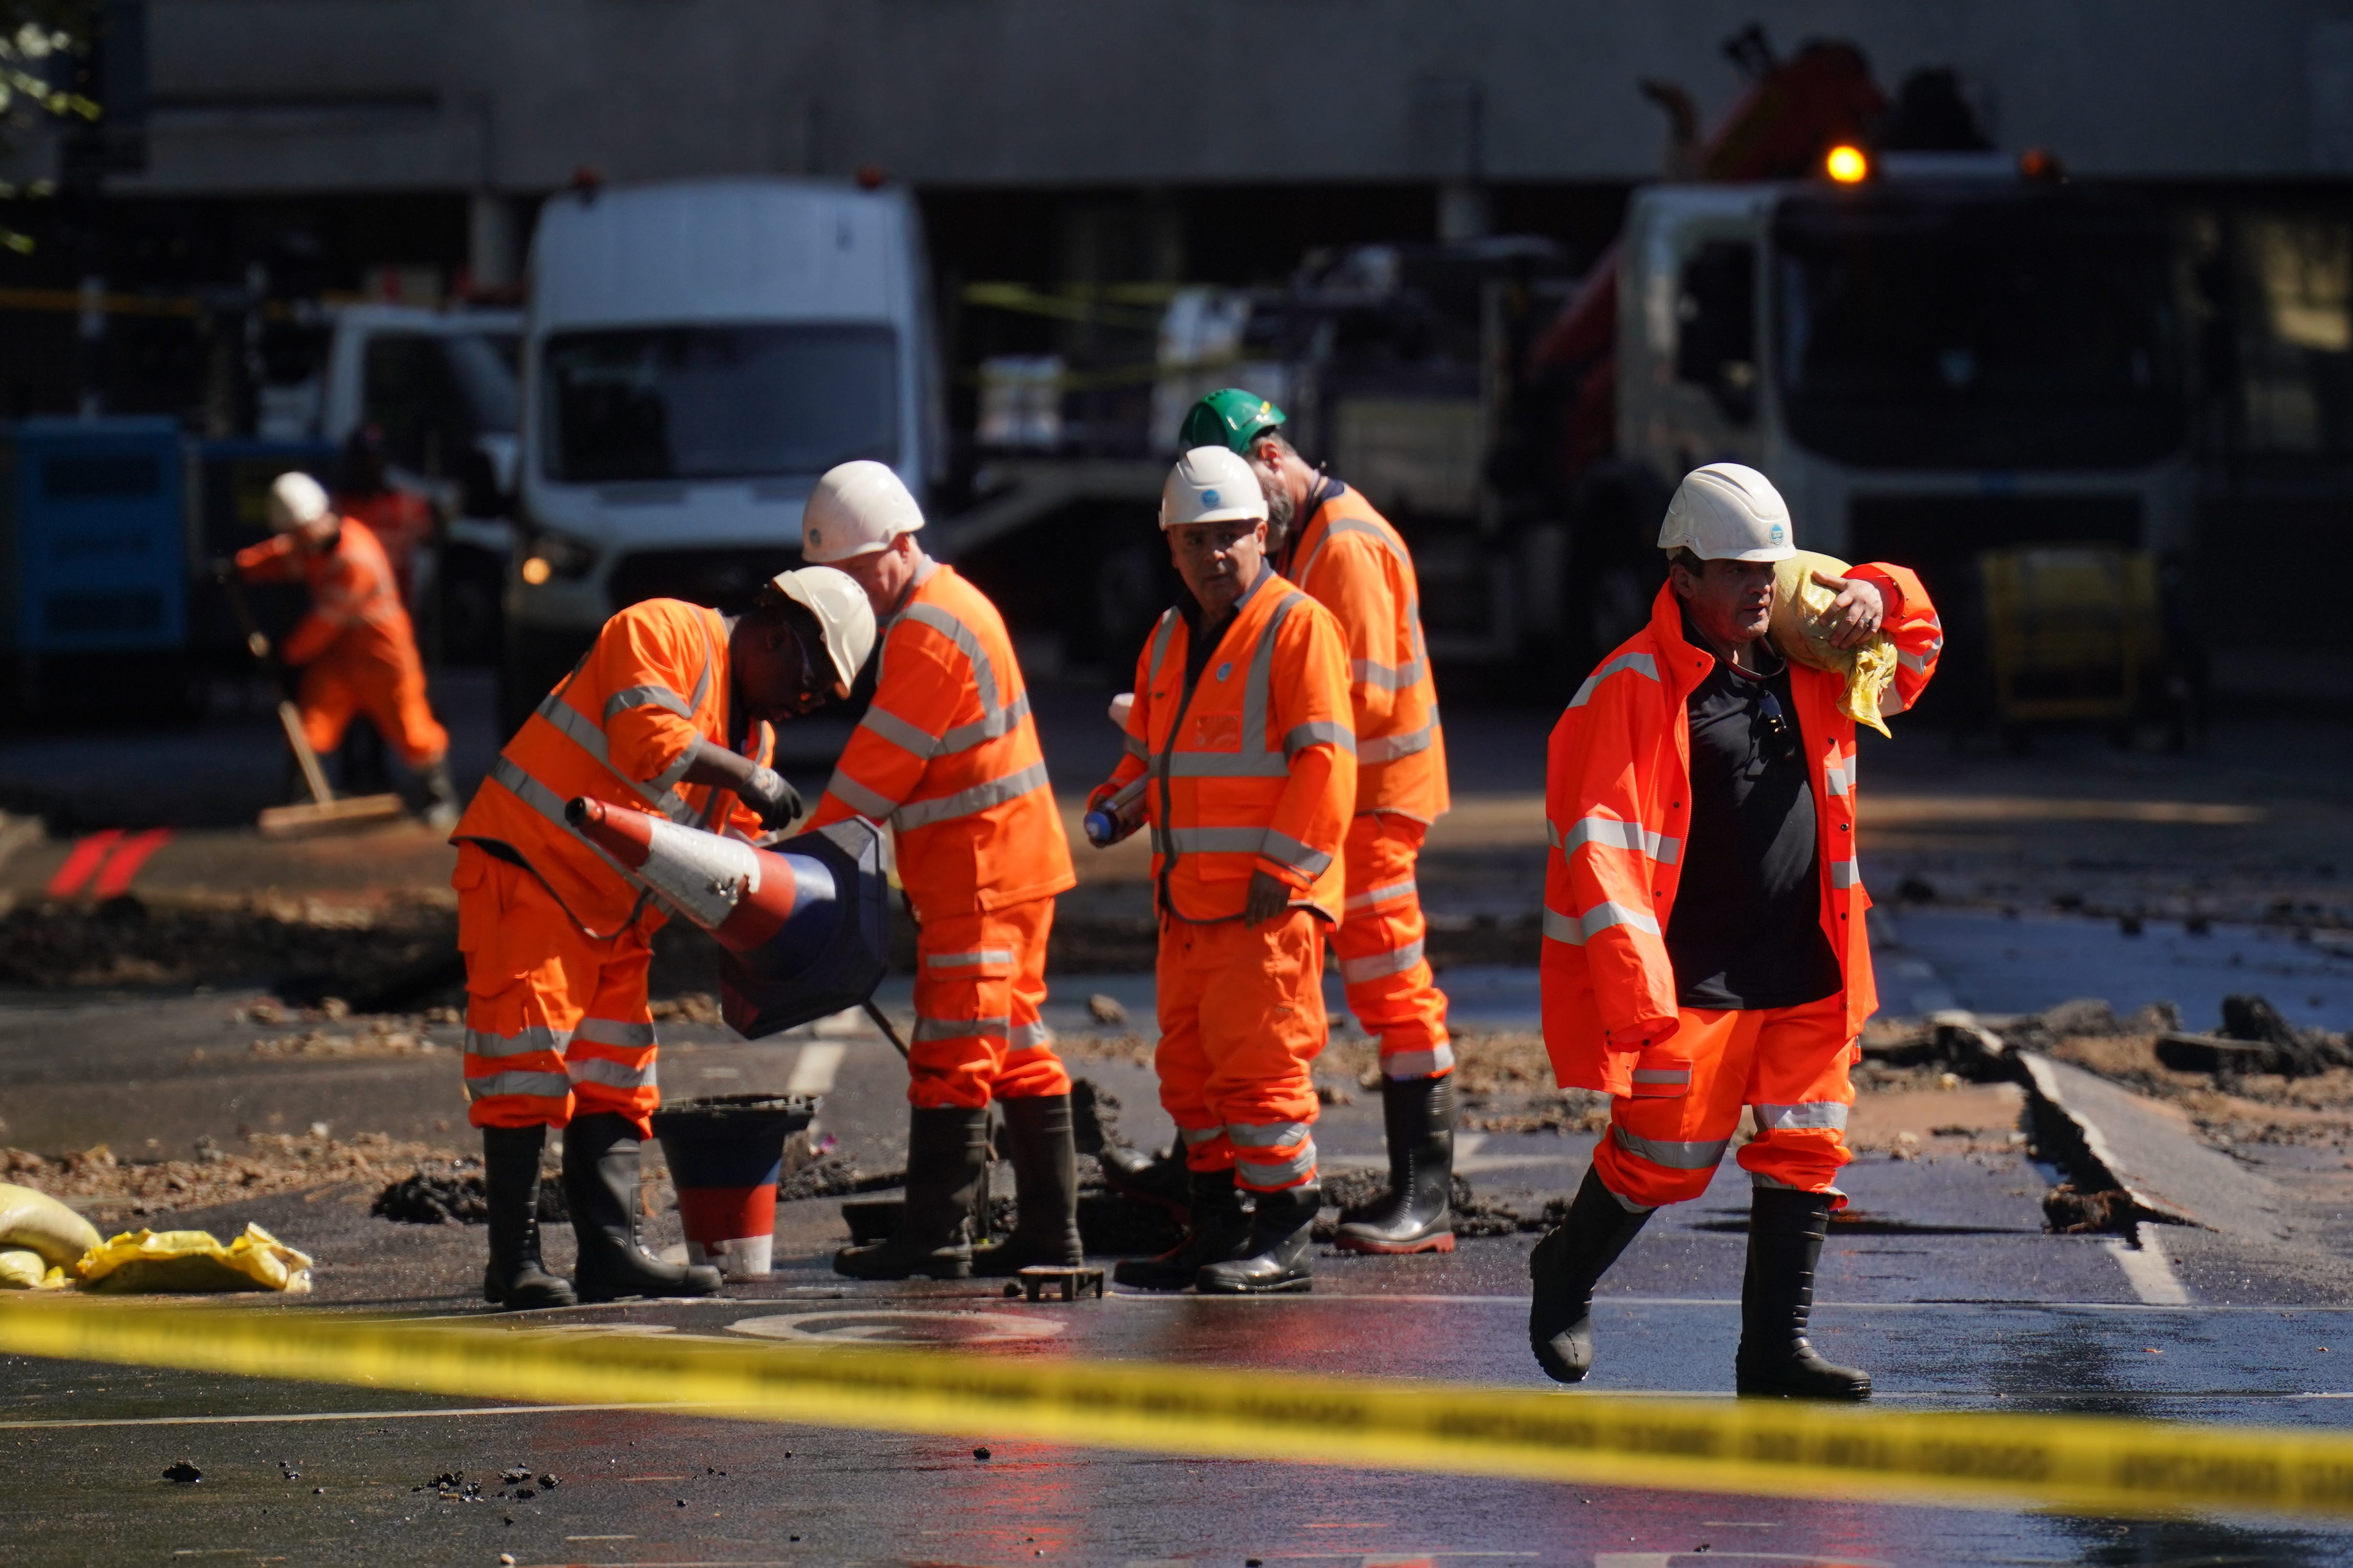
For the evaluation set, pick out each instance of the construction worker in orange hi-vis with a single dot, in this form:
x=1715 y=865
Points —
x=668 y=712
x=1703 y=944
x=947 y=755
x=401 y=520
x=356 y=648
x=1327 y=538
x=1241 y=758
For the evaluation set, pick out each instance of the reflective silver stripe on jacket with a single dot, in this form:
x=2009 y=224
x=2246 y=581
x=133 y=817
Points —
x=1834 y=780
x=972 y=960
x=995 y=719
x=1420 y=663
x=547 y=1085
x=1807 y=1113
x=1614 y=832
x=1320 y=731
x=1030 y=1037
x=965 y=802
x=1136 y=748
x=1699 y=1155
x=1597 y=919
x=1417 y=1064
x=1195 y=1136
x=1389 y=748
x=590 y=736
x=652 y=695
x=1387 y=677
x=864 y=801
x=610 y=1073
x=1638 y=663
x=961 y=1028
x=1845 y=874
x=1662 y=1075
x=1372 y=966
x=612 y=1032
x=542 y=800
x=907 y=737
x=522 y=1042
x=1286 y=850
x=1371 y=896
x=1266 y=1135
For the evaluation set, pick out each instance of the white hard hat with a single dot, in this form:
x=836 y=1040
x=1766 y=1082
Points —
x=295 y=500
x=857 y=508
x=842 y=614
x=1725 y=511
x=1210 y=484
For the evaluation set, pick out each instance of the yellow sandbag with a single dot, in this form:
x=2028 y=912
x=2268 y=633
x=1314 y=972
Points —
x=1799 y=630
x=38 y=1223
x=170 y=1262
x=24 y=1271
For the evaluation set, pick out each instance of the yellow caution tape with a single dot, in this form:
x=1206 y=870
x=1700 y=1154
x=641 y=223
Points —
x=1781 y=1448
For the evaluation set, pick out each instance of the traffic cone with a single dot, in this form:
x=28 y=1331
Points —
x=742 y=895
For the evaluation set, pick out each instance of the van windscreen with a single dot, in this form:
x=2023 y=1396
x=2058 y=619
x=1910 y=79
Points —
x=717 y=402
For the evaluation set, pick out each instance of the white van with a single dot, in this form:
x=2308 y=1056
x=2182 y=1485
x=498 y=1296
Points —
x=696 y=353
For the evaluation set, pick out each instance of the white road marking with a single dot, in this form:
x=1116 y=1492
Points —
x=1467 y=1144
x=2147 y=1270
x=813 y=1070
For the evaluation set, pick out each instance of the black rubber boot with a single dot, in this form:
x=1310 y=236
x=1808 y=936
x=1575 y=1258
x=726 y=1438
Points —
x=1785 y=1241
x=1283 y=1237
x=1159 y=1179
x=1420 y=1115
x=1220 y=1230
x=516 y=1278
x=1566 y=1265
x=1045 y=1190
x=947 y=1159
x=601 y=1181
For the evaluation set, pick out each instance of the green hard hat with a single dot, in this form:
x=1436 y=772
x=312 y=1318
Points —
x=1229 y=417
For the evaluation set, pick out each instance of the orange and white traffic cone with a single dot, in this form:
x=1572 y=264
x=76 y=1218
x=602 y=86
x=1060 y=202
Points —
x=742 y=895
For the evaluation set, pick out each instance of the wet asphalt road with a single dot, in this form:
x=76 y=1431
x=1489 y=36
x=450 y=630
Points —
x=1942 y=1283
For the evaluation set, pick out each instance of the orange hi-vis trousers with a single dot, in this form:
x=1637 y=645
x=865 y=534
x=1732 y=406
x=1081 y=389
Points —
x=1787 y=1064
x=980 y=980
x=358 y=676
x=1379 y=945
x=556 y=1022
x=1241 y=1022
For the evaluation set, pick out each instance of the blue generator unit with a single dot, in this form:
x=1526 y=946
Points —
x=94 y=557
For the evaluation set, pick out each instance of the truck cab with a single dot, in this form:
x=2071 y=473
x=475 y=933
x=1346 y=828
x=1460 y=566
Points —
x=1939 y=361
x=698 y=353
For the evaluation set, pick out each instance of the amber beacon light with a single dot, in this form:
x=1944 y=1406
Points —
x=1846 y=164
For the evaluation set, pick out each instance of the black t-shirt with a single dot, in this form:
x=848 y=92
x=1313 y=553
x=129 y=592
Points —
x=1746 y=929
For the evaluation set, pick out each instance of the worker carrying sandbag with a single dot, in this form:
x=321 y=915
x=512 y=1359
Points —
x=1704 y=941
x=558 y=935
x=948 y=755
x=1241 y=758
x=356 y=648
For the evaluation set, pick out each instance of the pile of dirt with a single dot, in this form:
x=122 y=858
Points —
x=299 y=945
x=2071 y=1213
x=456 y=1196
x=107 y=1188
x=833 y=1172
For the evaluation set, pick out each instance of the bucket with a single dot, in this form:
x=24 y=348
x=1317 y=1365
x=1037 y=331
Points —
x=725 y=1155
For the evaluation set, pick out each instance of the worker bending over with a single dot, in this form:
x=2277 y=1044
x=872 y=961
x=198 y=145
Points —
x=947 y=755
x=1704 y=947
x=557 y=936
x=1240 y=734
x=1344 y=555
x=356 y=648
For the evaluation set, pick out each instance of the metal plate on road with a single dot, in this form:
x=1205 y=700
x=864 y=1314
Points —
x=898 y=1326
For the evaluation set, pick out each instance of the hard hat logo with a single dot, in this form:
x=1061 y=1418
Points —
x=1211 y=483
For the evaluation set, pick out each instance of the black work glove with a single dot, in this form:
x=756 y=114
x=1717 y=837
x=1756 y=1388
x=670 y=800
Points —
x=766 y=792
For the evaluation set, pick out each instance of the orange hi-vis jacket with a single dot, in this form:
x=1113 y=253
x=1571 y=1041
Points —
x=1616 y=805
x=1351 y=560
x=948 y=755
x=620 y=728
x=1252 y=764
x=354 y=594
